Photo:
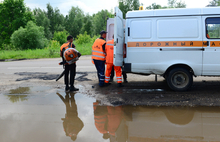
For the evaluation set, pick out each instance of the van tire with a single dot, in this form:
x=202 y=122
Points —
x=179 y=79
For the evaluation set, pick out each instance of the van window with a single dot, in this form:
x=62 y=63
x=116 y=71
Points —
x=213 y=27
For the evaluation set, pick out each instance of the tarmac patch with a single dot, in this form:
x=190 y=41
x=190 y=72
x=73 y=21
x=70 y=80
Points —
x=80 y=76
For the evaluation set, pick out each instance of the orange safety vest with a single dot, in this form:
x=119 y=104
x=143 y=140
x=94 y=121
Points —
x=97 y=51
x=65 y=46
x=109 y=49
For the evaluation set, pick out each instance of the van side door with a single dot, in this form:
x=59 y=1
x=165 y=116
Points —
x=211 y=40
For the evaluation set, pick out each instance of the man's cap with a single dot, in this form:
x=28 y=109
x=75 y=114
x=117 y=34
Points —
x=102 y=32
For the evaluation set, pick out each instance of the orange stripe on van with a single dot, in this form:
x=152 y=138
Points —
x=214 y=43
x=169 y=44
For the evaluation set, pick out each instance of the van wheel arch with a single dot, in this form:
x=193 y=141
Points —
x=178 y=66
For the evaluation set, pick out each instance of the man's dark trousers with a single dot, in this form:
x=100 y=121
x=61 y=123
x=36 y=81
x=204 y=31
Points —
x=72 y=69
x=100 y=67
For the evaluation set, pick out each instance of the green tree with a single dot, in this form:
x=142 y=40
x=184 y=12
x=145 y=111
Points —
x=175 y=4
x=50 y=16
x=30 y=37
x=128 y=5
x=100 y=20
x=154 y=6
x=87 y=25
x=74 y=21
x=42 y=20
x=61 y=37
x=214 y=3
x=58 y=20
x=13 y=14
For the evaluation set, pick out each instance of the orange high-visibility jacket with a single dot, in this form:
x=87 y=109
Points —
x=97 y=50
x=109 y=49
x=65 y=46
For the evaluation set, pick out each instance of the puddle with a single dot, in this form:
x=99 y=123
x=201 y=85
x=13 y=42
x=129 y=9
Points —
x=53 y=115
x=20 y=90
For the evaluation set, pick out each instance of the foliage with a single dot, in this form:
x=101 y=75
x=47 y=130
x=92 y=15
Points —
x=87 y=25
x=30 y=37
x=53 y=48
x=128 y=5
x=13 y=14
x=74 y=21
x=43 y=21
x=52 y=51
x=171 y=4
x=99 y=21
x=175 y=4
x=214 y=3
x=56 y=19
x=61 y=37
x=154 y=6
x=94 y=38
x=83 y=38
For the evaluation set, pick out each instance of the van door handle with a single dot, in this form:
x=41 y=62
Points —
x=128 y=31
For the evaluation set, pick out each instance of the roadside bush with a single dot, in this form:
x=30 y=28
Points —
x=94 y=38
x=53 y=48
x=61 y=37
x=30 y=37
x=8 y=47
x=83 y=38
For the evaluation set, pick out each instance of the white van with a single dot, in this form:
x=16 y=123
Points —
x=174 y=43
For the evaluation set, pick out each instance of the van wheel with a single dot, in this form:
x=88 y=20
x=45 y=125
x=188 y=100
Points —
x=179 y=79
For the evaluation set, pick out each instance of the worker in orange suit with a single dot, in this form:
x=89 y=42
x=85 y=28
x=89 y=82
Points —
x=109 y=49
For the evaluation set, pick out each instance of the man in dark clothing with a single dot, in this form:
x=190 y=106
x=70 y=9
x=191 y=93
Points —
x=69 y=69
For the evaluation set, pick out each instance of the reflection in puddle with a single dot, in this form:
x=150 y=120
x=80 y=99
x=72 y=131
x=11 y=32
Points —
x=63 y=117
x=17 y=94
x=72 y=124
x=20 y=90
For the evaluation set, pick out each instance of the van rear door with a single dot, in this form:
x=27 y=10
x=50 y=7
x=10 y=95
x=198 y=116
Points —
x=118 y=37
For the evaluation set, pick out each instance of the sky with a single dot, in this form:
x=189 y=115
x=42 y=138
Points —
x=93 y=6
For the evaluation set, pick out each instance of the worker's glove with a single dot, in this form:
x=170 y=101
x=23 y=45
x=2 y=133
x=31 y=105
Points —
x=79 y=54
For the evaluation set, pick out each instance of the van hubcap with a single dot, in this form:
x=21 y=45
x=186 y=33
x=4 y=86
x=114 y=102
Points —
x=180 y=79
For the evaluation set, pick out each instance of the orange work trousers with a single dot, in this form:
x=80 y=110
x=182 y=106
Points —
x=108 y=73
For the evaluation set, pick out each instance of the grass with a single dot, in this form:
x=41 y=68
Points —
x=48 y=52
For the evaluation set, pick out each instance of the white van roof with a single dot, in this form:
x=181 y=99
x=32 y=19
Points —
x=174 y=12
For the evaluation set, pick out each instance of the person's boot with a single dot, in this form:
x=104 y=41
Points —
x=120 y=85
x=107 y=84
x=67 y=88
x=125 y=81
x=72 y=88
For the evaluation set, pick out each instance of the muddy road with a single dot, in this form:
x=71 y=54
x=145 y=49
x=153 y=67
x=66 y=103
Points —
x=140 y=90
x=34 y=107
